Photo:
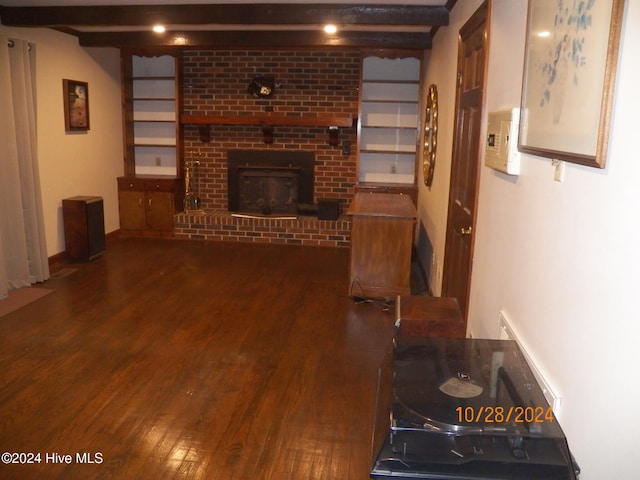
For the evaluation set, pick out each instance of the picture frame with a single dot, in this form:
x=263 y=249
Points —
x=569 y=79
x=76 y=105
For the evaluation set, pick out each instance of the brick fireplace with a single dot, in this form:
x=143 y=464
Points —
x=309 y=84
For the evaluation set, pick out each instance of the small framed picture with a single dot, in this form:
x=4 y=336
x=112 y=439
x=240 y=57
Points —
x=76 y=105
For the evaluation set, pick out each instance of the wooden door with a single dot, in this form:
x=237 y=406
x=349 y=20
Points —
x=472 y=46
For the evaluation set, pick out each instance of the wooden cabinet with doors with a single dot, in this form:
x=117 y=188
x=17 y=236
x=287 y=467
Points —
x=148 y=204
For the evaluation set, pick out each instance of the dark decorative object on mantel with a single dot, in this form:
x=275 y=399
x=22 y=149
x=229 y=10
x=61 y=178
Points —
x=262 y=87
x=333 y=135
x=267 y=134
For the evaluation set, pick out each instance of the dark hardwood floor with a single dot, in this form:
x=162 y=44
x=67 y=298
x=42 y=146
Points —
x=194 y=360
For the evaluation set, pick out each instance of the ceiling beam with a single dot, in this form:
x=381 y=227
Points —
x=258 y=39
x=248 y=14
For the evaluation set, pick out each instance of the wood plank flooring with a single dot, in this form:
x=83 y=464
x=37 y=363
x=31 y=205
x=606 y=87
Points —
x=194 y=360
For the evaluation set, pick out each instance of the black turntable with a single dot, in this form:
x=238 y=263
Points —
x=462 y=409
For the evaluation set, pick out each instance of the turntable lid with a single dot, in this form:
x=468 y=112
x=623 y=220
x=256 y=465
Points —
x=468 y=385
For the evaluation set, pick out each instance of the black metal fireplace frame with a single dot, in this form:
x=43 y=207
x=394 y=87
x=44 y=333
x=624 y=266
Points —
x=300 y=160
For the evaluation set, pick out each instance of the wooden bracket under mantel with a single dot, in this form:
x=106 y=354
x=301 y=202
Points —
x=267 y=123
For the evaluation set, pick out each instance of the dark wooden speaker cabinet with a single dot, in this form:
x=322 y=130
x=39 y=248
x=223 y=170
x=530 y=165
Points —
x=83 y=227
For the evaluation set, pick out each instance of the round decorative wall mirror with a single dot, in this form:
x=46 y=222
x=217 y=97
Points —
x=430 y=135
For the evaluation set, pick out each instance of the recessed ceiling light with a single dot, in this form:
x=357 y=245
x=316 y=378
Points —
x=330 y=29
x=158 y=28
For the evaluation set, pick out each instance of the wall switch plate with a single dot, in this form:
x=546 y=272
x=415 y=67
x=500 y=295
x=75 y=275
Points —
x=558 y=174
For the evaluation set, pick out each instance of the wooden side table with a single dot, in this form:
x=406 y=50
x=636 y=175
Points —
x=382 y=228
x=421 y=316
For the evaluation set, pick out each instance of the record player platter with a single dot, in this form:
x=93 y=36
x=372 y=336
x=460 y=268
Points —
x=462 y=409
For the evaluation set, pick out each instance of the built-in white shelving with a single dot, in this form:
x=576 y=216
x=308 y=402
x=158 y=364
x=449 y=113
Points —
x=154 y=119
x=389 y=117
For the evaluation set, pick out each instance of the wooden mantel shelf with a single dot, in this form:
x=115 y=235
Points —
x=267 y=120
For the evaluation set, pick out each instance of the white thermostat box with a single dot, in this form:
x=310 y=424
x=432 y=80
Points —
x=501 y=152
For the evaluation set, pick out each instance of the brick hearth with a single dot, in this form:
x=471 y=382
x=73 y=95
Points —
x=222 y=226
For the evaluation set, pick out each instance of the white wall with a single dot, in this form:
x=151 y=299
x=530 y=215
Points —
x=560 y=259
x=75 y=163
x=440 y=68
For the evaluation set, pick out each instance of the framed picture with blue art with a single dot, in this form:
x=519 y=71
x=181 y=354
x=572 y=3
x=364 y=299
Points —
x=570 y=66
